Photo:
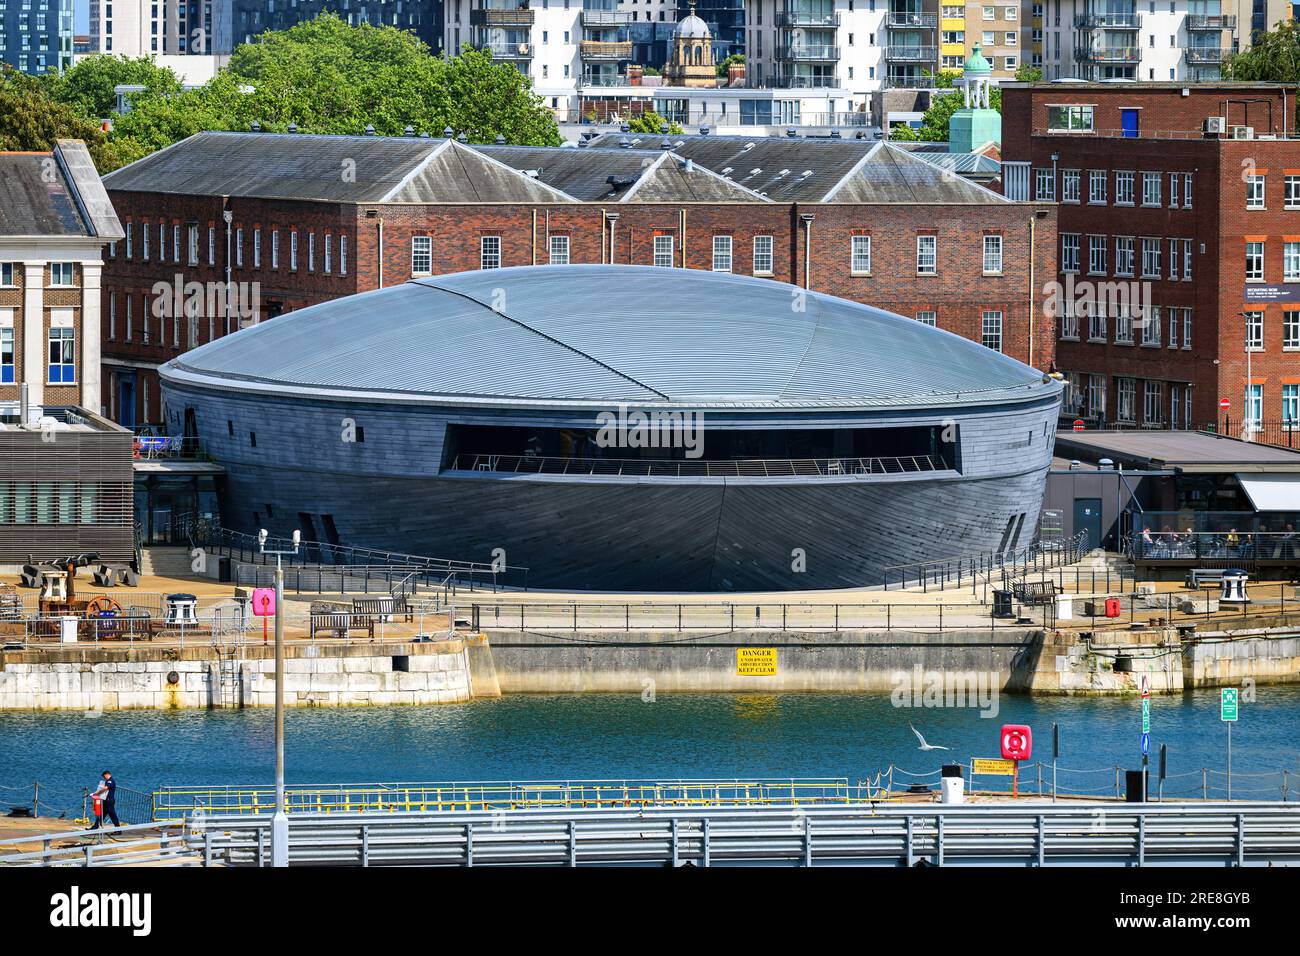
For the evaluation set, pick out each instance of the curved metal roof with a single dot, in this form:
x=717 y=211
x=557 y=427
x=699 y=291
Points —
x=592 y=335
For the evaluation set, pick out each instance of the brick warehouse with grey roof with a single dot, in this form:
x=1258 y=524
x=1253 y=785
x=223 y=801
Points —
x=314 y=218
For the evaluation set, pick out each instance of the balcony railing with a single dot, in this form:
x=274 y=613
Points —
x=1225 y=546
x=1198 y=21
x=1108 y=21
x=509 y=51
x=912 y=54
x=604 y=79
x=808 y=18
x=605 y=50
x=151 y=447
x=798 y=81
x=1205 y=56
x=699 y=468
x=911 y=21
x=806 y=52
x=607 y=18
x=518 y=17
x=1108 y=54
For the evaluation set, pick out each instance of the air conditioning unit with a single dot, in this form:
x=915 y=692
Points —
x=1243 y=132
x=1215 y=124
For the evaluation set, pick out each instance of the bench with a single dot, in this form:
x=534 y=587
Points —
x=1034 y=592
x=384 y=608
x=1199 y=577
x=341 y=623
x=111 y=575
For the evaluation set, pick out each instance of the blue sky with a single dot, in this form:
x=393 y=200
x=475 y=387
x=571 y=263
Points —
x=81 y=16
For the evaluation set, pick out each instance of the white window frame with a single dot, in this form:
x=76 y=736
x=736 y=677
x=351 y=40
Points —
x=1254 y=261
x=721 y=254
x=664 y=250
x=489 y=252
x=991 y=329
x=860 y=255
x=993 y=255
x=764 y=258
x=927 y=251
x=557 y=250
x=421 y=255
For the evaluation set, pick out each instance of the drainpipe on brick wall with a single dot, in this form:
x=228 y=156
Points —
x=604 y=224
x=535 y=237
x=227 y=215
x=681 y=235
x=379 y=230
x=1032 y=315
x=807 y=218
x=613 y=224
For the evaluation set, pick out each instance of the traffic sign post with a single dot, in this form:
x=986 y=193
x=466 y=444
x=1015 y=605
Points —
x=1056 y=752
x=1229 y=700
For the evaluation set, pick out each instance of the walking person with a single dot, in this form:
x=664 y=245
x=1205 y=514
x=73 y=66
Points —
x=106 y=794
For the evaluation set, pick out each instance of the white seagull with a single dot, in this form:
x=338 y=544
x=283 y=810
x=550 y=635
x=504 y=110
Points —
x=924 y=745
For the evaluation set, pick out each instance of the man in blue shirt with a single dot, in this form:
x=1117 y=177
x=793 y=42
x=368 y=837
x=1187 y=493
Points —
x=107 y=792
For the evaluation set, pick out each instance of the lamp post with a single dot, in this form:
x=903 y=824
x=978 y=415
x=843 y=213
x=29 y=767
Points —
x=280 y=819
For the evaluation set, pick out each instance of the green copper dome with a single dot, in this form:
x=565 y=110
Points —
x=975 y=63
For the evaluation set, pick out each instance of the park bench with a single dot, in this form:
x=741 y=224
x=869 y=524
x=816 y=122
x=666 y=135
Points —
x=1200 y=577
x=384 y=608
x=341 y=623
x=1034 y=592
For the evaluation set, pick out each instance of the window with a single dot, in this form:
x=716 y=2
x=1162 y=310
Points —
x=6 y=274
x=1069 y=322
x=1187 y=260
x=926 y=318
x=257 y=248
x=1291 y=262
x=1124 y=255
x=1069 y=252
x=559 y=250
x=311 y=252
x=275 y=248
x=1151 y=258
x=421 y=255
x=1097 y=186
x=192 y=245
x=1097 y=255
x=762 y=255
x=329 y=253
x=1187 y=204
x=1069 y=119
x=1125 y=395
x=1187 y=333
x=489 y=252
x=1254 y=191
x=7 y=355
x=1174 y=258
x=721 y=253
x=1173 y=406
x=144 y=239
x=1254 y=331
x=991 y=331
x=1044 y=185
x=1290 y=199
x=1124 y=188
x=1290 y=405
x=176 y=243
x=1151 y=189
x=1173 y=190
x=1255 y=405
x=128 y=230
x=1173 y=328
x=992 y=255
x=1069 y=185
x=128 y=317
x=1291 y=330
x=239 y=247
x=1097 y=323
x=61 y=274
x=63 y=359
x=663 y=251
x=1124 y=327
x=1151 y=327
x=112 y=316
x=1254 y=262
x=861 y=255
x=293 y=250
x=1152 y=403
x=926 y=255
x=343 y=255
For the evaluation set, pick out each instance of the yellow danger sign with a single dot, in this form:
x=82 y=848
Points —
x=1005 y=767
x=756 y=662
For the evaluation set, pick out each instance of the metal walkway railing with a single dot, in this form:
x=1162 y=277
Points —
x=700 y=468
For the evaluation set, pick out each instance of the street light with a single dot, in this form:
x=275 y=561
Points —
x=280 y=819
x=1248 y=418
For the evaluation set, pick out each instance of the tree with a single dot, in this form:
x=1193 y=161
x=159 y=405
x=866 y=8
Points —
x=89 y=86
x=324 y=76
x=734 y=58
x=30 y=121
x=1272 y=57
x=934 y=125
x=652 y=122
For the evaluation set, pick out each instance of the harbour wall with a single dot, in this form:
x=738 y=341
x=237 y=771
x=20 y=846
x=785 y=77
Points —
x=149 y=678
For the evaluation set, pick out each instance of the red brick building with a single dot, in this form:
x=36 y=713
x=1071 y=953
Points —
x=1187 y=196
x=313 y=218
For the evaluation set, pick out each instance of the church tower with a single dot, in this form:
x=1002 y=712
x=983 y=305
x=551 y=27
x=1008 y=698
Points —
x=692 y=62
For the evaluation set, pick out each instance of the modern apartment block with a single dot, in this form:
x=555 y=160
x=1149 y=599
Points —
x=149 y=28
x=1179 y=254
x=248 y=18
x=36 y=35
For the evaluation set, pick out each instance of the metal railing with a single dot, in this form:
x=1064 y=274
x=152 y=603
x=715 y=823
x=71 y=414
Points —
x=605 y=49
x=1200 y=21
x=1205 y=56
x=982 y=835
x=797 y=81
x=607 y=18
x=509 y=51
x=910 y=21
x=157 y=843
x=808 y=18
x=1284 y=433
x=942 y=573
x=1108 y=21
x=1221 y=546
x=901 y=53
x=699 y=467
x=1108 y=54
x=155 y=447
x=807 y=51
x=715 y=618
x=494 y=17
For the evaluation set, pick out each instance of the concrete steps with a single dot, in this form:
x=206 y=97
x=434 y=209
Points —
x=167 y=562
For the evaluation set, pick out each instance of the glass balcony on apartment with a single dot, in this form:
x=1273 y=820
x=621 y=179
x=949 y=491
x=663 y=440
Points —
x=911 y=54
x=805 y=81
x=605 y=49
x=511 y=15
x=1108 y=54
x=1108 y=21
x=807 y=53
x=1205 y=55
x=1214 y=24
x=611 y=78
x=910 y=20
x=808 y=17
x=607 y=18
x=502 y=50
